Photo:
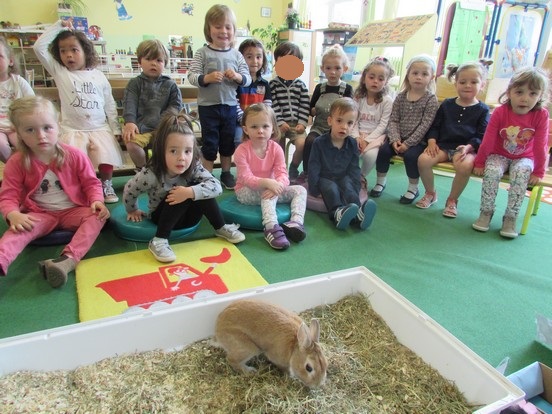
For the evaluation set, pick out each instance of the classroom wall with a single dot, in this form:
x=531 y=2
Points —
x=155 y=18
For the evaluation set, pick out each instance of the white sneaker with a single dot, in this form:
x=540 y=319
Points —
x=231 y=233
x=484 y=221
x=509 y=228
x=109 y=192
x=161 y=250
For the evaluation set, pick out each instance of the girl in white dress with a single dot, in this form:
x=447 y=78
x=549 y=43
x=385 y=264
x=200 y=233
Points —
x=88 y=112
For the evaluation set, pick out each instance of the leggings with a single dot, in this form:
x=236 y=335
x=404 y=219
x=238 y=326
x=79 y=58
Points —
x=519 y=170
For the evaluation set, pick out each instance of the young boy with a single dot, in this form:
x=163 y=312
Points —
x=217 y=69
x=334 y=170
x=291 y=104
x=147 y=97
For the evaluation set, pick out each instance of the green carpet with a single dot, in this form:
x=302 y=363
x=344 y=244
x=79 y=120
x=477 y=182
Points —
x=484 y=289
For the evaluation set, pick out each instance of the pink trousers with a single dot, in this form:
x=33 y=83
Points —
x=81 y=220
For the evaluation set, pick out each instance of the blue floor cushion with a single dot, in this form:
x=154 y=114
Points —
x=249 y=216
x=142 y=231
x=54 y=238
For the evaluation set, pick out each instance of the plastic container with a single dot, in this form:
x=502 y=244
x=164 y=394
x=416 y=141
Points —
x=177 y=325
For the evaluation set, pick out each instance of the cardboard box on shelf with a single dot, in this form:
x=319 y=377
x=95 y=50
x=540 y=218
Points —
x=536 y=381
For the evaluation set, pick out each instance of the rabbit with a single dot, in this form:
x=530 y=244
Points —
x=247 y=328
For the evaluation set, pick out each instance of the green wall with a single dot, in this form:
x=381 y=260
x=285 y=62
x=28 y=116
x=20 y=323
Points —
x=159 y=18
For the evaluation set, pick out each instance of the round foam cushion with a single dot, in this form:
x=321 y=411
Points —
x=250 y=216
x=54 y=238
x=317 y=203
x=142 y=231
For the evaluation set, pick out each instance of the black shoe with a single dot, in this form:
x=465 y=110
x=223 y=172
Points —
x=376 y=193
x=406 y=200
x=227 y=180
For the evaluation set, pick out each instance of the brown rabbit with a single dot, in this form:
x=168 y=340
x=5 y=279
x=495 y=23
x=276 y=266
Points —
x=247 y=328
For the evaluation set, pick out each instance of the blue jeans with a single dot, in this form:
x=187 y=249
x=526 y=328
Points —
x=338 y=193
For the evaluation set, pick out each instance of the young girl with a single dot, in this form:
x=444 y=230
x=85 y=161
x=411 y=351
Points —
x=89 y=116
x=374 y=109
x=455 y=135
x=412 y=114
x=48 y=185
x=218 y=69
x=12 y=86
x=258 y=91
x=516 y=140
x=179 y=188
x=263 y=179
x=334 y=64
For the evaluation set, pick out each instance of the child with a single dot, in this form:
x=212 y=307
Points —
x=147 y=97
x=334 y=170
x=334 y=64
x=263 y=179
x=88 y=112
x=12 y=86
x=179 y=188
x=290 y=100
x=413 y=111
x=48 y=185
x=218 y=69
x=516 y=140
x=374 y=109
x=455 y=135
x=258 y=91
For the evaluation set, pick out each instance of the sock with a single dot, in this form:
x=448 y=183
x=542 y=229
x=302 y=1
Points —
x=381 y=181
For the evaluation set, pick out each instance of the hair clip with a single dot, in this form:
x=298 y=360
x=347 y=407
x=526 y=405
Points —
x=381 y=58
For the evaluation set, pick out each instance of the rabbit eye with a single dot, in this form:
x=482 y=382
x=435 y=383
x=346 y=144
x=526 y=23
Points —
x=308 y=368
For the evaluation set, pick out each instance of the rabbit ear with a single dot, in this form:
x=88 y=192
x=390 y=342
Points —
x=304 y=336
x=315 y=330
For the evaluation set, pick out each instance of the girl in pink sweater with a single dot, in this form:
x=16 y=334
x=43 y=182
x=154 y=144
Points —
x=263 y=178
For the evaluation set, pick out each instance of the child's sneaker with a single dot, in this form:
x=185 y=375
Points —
x=161 y=250
x=483 y=222
x=227 y=180
x=366 y=214
x=276 y=238
x=294 y=231
x=508 y=228
x=344 y=215
x=231 y=233
x=109 y=192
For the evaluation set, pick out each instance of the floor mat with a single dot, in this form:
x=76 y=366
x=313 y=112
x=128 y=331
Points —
x=111 y=285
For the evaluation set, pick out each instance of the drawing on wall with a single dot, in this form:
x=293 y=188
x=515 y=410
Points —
x=188 y=8
x=520 y=31
x=121 y=10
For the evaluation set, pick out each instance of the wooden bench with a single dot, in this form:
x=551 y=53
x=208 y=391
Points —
x=535 y=192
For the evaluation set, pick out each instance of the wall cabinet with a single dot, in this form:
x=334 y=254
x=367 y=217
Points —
x=332 y=37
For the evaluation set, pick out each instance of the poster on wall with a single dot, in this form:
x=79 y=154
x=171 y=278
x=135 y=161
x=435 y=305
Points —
x=519 y=33
x=122 y=13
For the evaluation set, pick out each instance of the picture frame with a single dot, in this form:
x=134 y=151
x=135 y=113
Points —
x=266 y=11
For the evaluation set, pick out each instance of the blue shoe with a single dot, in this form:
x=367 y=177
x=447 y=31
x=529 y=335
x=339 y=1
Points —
x=366 y=214
x=344 y=215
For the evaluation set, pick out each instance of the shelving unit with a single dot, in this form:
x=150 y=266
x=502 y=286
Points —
x=22 y=41
x=331 y=37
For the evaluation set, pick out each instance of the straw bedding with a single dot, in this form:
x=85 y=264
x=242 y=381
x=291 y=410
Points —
x=369 y=371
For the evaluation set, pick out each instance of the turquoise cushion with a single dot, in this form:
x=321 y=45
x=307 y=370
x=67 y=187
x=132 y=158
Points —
x=144 y=230
x=248 y=216
x=54 y=238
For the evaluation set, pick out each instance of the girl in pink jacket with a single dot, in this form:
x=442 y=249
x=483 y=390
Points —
x=47 y=186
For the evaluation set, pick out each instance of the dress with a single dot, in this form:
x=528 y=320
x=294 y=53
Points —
x=89 y=118
x=322 y=98
x=11 y=89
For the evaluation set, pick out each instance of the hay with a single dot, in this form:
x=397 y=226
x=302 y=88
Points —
x=369 y=371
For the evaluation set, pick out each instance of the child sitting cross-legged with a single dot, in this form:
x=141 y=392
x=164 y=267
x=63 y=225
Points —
x=263 y=179
x=179 y=188
x=334 y=170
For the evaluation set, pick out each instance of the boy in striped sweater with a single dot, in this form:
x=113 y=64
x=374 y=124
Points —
x=290 y=101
